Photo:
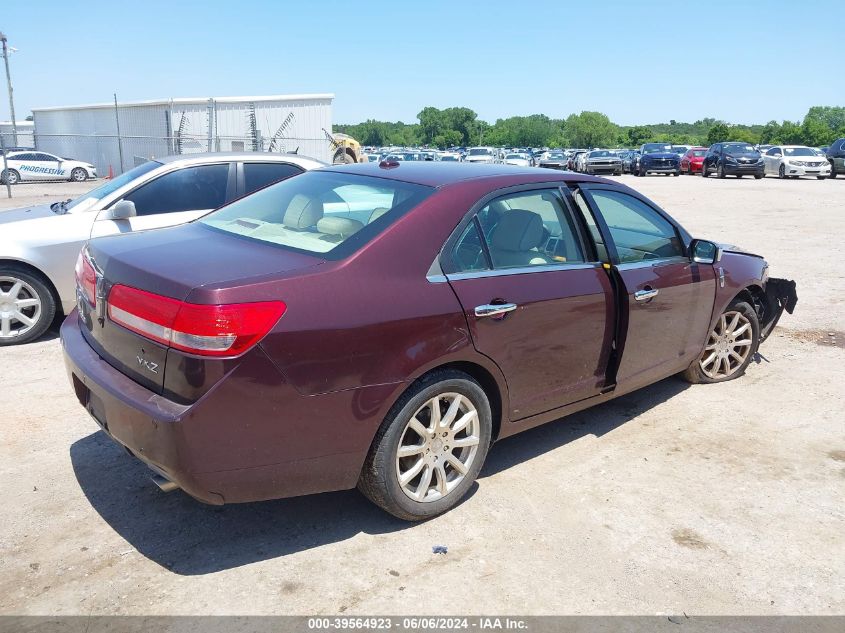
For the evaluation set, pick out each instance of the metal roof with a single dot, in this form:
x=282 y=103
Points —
x=194 y=101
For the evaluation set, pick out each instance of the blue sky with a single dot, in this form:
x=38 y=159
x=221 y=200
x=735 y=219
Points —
x=638 y=62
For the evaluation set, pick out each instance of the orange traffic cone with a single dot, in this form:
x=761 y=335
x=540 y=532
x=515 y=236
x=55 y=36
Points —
x=111 y=173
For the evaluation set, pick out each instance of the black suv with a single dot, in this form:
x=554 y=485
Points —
x=836 y=155
x=734 y=159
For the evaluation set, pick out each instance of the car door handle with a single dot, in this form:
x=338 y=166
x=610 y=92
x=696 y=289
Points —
x=645 y=294
x=494 y=309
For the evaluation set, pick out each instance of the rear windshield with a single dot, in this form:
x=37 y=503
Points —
x=328 y=213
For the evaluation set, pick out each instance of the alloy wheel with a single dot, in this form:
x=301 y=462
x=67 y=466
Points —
x=437 y=447
x=20 y=307
x=728 y=346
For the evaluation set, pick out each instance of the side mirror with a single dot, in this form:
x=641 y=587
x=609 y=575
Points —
x=121 y=210
x=704 y=252
x=778 y=155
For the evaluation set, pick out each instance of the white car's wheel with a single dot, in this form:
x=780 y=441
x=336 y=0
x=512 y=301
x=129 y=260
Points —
x=27 y=306
x=79 y=175
x=10 y=177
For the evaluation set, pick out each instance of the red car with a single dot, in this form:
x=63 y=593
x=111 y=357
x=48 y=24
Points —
x=692 y=161
x=381 y=325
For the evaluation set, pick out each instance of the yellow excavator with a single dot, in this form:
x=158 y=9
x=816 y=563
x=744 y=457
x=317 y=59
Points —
x=345 y=149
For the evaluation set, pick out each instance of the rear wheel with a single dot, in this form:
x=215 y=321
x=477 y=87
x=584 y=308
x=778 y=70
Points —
x=12 y=177
x=27 y=306
x=730 y=346
x=430 y=448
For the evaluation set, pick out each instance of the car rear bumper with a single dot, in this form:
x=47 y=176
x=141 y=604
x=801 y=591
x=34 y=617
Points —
x=234 y=444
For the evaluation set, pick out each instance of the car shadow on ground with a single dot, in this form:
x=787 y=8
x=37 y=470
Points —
x=191 y=538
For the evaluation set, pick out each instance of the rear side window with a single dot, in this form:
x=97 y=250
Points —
x=259 y=175
x=638 y=231
x=190 y=189
x=329 y=213
x=529 y=228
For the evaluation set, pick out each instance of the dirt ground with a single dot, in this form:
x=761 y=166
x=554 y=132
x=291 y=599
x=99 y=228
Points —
x=723 y=499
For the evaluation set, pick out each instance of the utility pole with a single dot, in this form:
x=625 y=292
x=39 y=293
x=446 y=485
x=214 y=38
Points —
x=9 y=86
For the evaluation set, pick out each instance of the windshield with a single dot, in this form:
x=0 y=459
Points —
x=479 y=151
x=516 y=157
x=448 y=157
x=319 y=212
x=602 y=154
x=654 y=148
x=113 y=185
x=739 y=148
x=798 y=151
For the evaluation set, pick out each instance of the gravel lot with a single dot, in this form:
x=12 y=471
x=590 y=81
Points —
x=721 y=499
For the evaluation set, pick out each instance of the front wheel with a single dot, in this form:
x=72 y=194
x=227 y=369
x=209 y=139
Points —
x=79 y=175
x=704 y=173
x=720 y=171
x=821 y=177
x=430 y=448
x=731 y=345
x=782 y=172
x=27 y=306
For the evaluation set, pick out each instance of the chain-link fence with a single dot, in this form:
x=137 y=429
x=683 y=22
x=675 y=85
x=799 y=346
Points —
x=111 y=154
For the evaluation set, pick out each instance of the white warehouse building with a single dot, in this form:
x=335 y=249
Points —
x=24 y=133
x=117 y=137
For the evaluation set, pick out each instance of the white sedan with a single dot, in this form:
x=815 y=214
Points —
x=792 y=161
x=521 y=160
x=35 y=165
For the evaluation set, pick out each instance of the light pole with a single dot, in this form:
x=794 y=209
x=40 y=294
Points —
x=9 y=85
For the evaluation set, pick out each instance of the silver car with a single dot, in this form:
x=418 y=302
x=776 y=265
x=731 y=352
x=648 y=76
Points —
x=39 y=245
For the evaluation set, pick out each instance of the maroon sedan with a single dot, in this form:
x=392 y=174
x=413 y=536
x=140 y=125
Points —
x=381 y=325
x=692 y=161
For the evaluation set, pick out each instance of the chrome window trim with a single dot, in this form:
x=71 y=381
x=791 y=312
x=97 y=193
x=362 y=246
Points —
x=647 y=263
x=522 y=270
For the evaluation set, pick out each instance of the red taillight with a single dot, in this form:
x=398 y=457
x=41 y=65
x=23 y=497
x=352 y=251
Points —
x=207 y=330
x=86 y=278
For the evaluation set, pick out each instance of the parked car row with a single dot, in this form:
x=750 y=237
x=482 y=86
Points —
x=258 y=351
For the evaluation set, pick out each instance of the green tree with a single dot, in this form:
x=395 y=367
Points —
x=591 y=129
x=638 y=135
x=717 y=133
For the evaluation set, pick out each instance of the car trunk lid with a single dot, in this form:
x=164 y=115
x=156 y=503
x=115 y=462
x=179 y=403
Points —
x=171 y=263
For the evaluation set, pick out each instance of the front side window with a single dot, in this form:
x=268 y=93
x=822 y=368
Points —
x=773 y=152
x=110 y=186
x=638 y=231
x=530 y=228
x=259 y=175
x=319 y=212
x=190 y=189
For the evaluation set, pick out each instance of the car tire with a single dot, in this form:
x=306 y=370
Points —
x=79 y=175
x=431 y=457
x=782 y=172
x=676 y=173
x=833 y=173
x=27 y=286
x=758 y=176
x=720 y=171
x=821 y=177
x=10 y=177
x=718 y=361
x=704 y=173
